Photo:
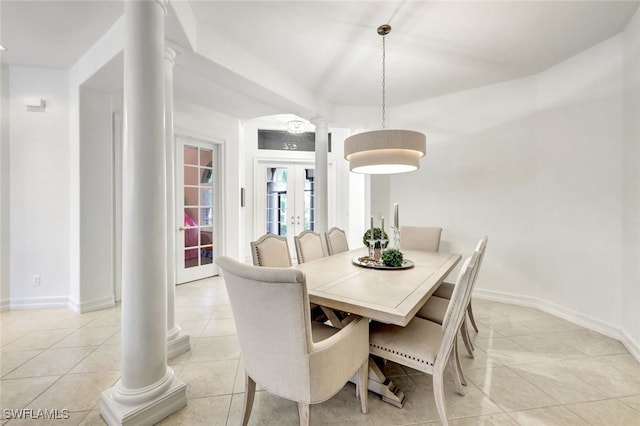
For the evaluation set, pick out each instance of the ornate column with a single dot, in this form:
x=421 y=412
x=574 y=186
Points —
x=177 y=341
x=147 y=390
x=321 y=176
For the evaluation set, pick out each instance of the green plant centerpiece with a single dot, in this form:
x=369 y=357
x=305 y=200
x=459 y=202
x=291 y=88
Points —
x=377 y=235
x=392 y=258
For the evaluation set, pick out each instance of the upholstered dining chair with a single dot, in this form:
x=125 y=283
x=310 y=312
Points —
x=310 y=362
x=435 y=307
x=426 y=238
x=271 y=250
x=425 y=345
x=336 y=241
x=308 y=246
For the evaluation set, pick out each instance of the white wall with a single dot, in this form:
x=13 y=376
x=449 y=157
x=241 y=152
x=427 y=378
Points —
x=630 y=292
x=39 y=176
x=537 y=165
x=96 y=202
x=4 y=188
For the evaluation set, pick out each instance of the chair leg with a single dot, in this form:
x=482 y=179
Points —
x=363 y=383
x=249 y=393
x=438 y=393
x=457 y=374
x=303 y=413
x=471 y=318
x=465 y=337
x=458 y=363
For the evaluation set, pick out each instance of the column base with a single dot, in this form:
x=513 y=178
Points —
x=178 y=345
x=147 y=412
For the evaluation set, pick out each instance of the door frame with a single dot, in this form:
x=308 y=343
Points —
x=180 y=139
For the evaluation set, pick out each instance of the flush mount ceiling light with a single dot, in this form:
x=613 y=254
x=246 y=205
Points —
x=385 y=151
x=295 y=126
x=2 y=48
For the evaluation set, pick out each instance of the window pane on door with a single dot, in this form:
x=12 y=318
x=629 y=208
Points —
x=198 y=201
x=277 y=205
x=309 y=200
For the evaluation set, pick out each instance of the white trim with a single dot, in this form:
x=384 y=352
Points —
x=40 y=302
x=4 y=305
x=599 y=326
x=632 y=346
x=105 y=302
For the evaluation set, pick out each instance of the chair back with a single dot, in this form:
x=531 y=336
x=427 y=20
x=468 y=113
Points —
x=271 y=250
x=454 y=315
x=308 y=246
x=336 y=241
x=480 y=249
x=271 y=310
x=425 y=238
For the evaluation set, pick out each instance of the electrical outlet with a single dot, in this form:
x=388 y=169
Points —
x=36 y=280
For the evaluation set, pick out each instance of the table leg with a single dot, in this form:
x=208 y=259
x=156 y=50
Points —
x=382 y=385
x=333 y=317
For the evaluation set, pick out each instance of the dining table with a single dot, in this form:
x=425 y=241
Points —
x=341 y=283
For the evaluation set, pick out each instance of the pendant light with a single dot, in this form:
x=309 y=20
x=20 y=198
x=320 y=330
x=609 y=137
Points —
x=385 y=151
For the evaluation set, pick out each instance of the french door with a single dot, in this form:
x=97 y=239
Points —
x=286 y=202
x=198 y=208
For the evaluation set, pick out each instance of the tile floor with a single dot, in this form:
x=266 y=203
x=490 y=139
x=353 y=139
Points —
x=530 y=368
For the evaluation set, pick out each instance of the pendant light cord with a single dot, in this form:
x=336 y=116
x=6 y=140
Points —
x=383 y=80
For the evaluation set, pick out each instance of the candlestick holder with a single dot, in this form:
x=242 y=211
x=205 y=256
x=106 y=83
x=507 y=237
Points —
x=372 y=247
x=396 y=237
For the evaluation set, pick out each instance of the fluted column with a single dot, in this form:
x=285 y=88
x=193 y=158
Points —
x=177 y=341
x=147 y=390
x=321 y=175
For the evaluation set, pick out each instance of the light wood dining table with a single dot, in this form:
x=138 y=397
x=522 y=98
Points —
x=388 y=296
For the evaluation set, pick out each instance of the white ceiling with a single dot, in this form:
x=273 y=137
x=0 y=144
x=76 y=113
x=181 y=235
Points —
x=330 y=48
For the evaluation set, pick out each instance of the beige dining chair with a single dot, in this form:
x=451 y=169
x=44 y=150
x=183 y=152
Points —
x=336 y=241
x=425 y=345
x=308 y=246
x=435 y=307
x=310 y=362
x=425 y=238
x=271 y=250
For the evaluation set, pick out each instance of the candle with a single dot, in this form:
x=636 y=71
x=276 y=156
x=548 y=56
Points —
x=396 y=220
x=371 y=234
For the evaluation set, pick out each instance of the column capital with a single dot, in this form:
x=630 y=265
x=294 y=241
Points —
x=170 y=55
x=163 y=4
x=320 y=121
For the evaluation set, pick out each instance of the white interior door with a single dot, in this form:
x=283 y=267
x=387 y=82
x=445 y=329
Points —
x=198 y=208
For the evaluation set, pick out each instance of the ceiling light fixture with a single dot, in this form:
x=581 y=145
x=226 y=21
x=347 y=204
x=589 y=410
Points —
x=2 y=48
x=295 y=126
x=385 y=151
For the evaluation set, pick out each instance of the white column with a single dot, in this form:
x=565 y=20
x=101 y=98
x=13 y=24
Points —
x=177 y=341
x=321 y=176
x=148 y=390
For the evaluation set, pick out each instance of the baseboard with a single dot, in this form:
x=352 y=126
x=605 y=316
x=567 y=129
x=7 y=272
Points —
x=92 y=305
x=578 y=318
x=39 y=302
x=632 y=346
x=4 y=305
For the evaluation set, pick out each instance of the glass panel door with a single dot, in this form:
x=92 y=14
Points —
x=289 y=200
x=197 y=198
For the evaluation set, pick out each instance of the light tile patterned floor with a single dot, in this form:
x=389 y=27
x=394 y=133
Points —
x=530 y=368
